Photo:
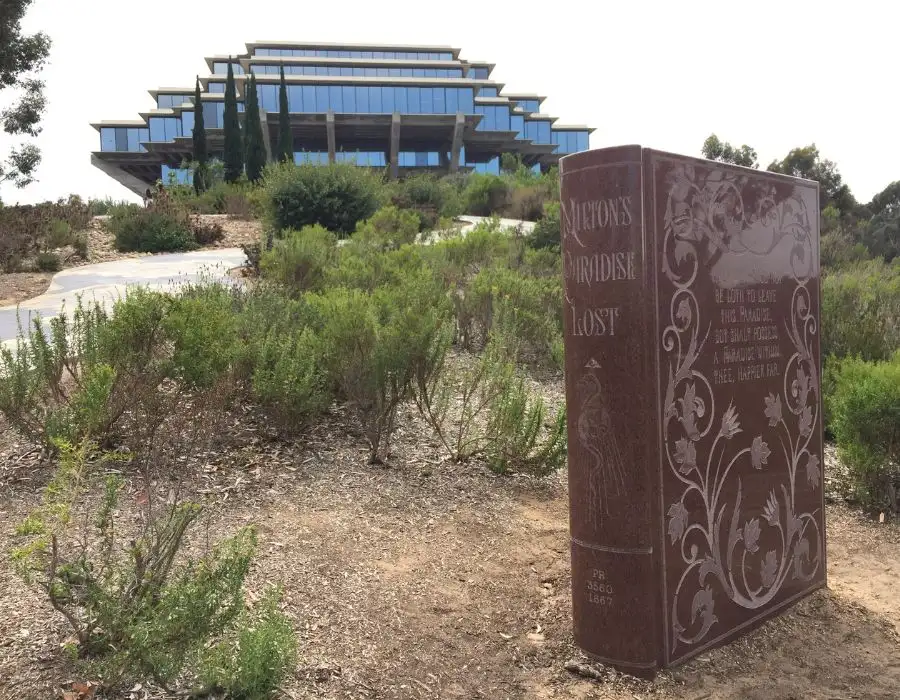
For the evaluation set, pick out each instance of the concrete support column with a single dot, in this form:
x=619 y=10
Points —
x=443 y=161
x=329 y=128
x=395 y=145
x=267 y=134
x=458 y=130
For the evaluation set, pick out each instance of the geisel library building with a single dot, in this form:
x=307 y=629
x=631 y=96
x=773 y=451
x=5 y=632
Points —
x=409 y=108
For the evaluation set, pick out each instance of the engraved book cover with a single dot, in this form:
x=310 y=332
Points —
x=692 y=295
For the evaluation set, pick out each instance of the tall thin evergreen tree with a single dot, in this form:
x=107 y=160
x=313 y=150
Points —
x=234 y=152
x=285 y=138
x=254 y=145
x=200 y=156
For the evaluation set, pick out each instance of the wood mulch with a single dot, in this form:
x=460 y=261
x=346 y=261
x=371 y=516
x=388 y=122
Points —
x=428 y=579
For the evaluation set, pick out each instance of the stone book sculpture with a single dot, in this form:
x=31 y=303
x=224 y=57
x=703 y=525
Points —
x=694 y=404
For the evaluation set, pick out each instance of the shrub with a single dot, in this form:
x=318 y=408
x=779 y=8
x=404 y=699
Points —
x=526 y=202
x=251 y=660
x=206 y=232
x=430 y=197
x=30 y=229
x=59 y=234
x=201 y=326
x=300 y=258
x=546 y=232
x=389 y=228
x=861 y=311
x=80 y=244
x=335 y=196
x=48 y=262
x=132 y=606
x=159 y=228
x=486 y=194
x=864 y=412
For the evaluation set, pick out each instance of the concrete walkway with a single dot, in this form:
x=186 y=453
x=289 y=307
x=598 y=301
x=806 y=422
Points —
x=472 y=221
x=106 y=282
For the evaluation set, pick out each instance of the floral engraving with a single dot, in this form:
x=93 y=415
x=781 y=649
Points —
x=718 y=546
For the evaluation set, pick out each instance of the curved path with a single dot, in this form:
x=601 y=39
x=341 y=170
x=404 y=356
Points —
x=108 y=281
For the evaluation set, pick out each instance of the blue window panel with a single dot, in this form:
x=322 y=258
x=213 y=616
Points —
x=467 y=100
x=413 y=97
x=322 y=98
x=321 y=70
x=401 y=100
x=421 y=159
x=107 y=139
x=543 y=132
x=217 y=88
x=487 y=92
x=121 y=139
x=349 y=98
x=370 y=72
x=582 y=142
x=143 y=137
x=178 y=176
x=375 y=99
x=502 y=118
x=335 y=98
x=261 y=52
x=187 y=127
x=430 y=73
x=433 y=159
x=452 y=98
x=157 y=130
x=382 y=72
x=517 y=124
x=309 y=99
x=211 y=113
x=426 y=100
x=390 y=54
x=406 y=72
x=378 y=54
x=387 y=100
x=295 y=98
x=362 y=99
x=346 y=71
x=440 y=102
x=366 y=54
x=334 y=70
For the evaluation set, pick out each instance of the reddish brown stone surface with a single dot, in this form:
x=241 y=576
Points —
x=692 y=385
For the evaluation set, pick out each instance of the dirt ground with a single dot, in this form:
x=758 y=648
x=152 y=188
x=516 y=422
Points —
x=20 y=286
x=425 y=579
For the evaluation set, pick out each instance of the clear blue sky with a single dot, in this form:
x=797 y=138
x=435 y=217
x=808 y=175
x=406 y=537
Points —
x=771 y=74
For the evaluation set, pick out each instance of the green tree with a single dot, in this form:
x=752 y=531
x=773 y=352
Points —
x=254 y=143
x=234 y=153
x=21 y=57
x=200 y=157
x=807 y=163
x=285 y=138
x=716 y=149
x=882 y=234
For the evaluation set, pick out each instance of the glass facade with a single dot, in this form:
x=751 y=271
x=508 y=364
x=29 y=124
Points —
x=478 y=73
x=163 y=101
x=370 y=99
x=487 y=92
x=538 y=131
x=216 y=88
x=123 y=139
x=221 y=68
x=528 y=105
x=176 y=176
x=359 y=71
x=496 y=118
x=570 y=141
x=340 y=53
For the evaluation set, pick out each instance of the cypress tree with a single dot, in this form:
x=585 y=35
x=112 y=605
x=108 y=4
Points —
x=254 y=144
x=234 y=153
x=200 y=157
x=285 y=138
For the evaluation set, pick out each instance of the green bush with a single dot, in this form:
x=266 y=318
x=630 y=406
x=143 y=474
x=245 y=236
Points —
x=136 y=607
x=861 y=311
x=300 y=259
x=250 y=662
x=80 y=244
x=389 y=228
x=486 y=194
x=546 y=232
x=864 y=413
x=336 y=197
x=201 y=325
x=432 y=198
x=152 y=230
x=48 y=262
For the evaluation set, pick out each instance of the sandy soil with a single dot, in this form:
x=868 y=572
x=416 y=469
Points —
x=21 y=286
x=426 y=579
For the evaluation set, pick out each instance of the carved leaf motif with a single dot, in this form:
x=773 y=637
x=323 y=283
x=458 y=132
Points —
x=759 y=452
x=751 y=535
x=768 y=569
x=691 y=406
x=678 y=516
x=709 y=566
x=806 y=422
x=770 y=511
x=813 y=472
x=686 y=455
x=801 y=305
x=730 y=424
x=702 y=607
x=773 y=409
x=684 y=311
